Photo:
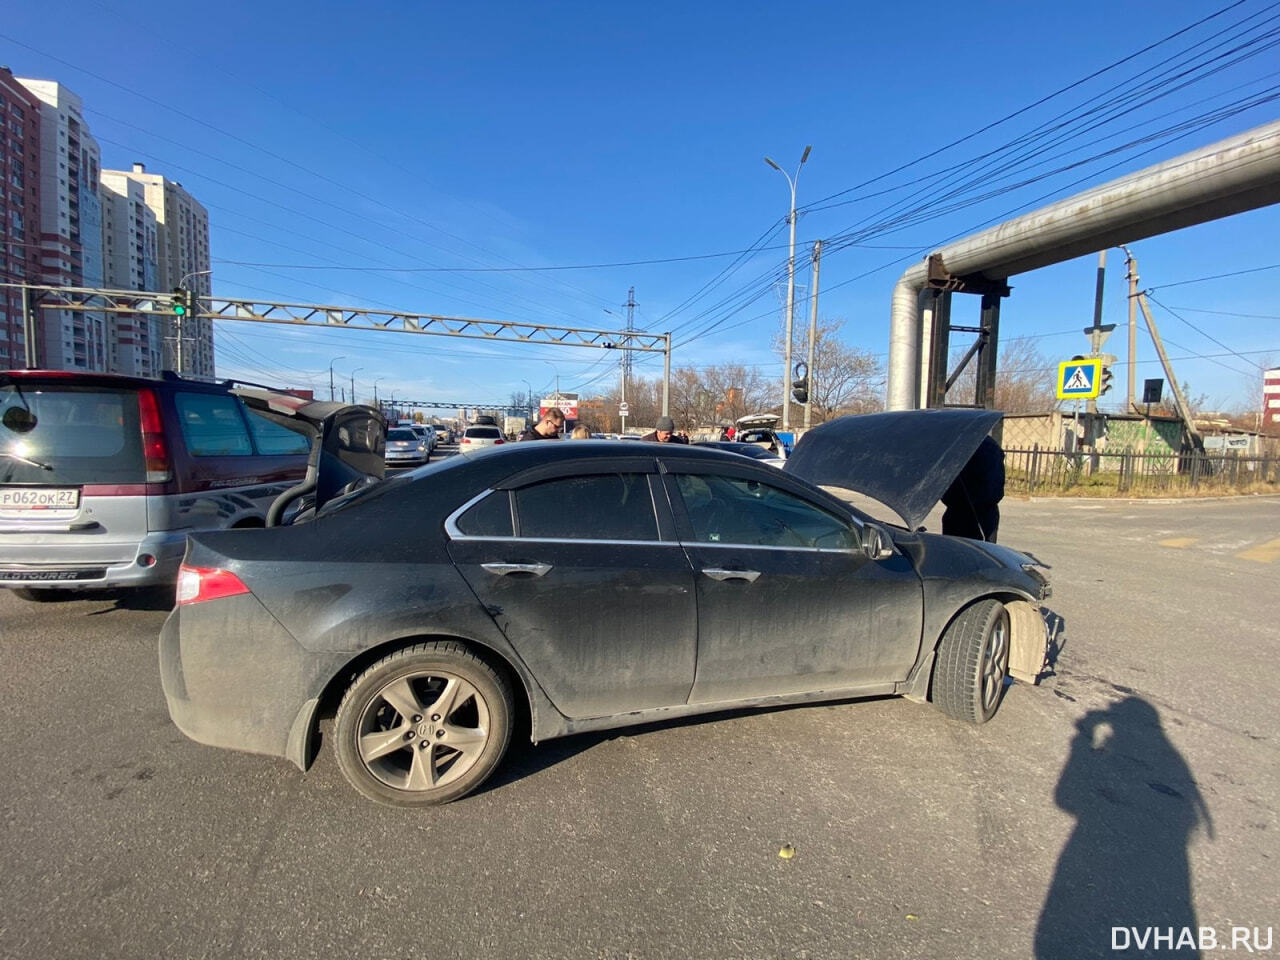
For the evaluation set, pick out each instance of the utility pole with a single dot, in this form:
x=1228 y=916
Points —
x=813 y=333
x=1183 y=409
x=626 y=357
x=29 y=330
x=1131 y=266
x=1099 y=332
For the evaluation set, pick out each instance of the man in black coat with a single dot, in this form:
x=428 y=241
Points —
x=973 y=499
x=664 y=432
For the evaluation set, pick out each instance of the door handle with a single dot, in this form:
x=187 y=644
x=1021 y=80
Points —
x=502 y=569
x=717 y=573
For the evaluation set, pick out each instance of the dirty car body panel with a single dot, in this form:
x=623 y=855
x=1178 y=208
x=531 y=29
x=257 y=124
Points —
x=611 y=584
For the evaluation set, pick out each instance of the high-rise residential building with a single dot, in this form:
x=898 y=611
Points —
x=70 y=229
x=19 y=211
x=130 y=245
x=182 y=260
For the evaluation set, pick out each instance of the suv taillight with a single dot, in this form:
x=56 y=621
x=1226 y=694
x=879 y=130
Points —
x=154 y=449
x=198 y=584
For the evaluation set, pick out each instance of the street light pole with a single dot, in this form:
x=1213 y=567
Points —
x=353 y=383
x=331 y=363
x=791 y=286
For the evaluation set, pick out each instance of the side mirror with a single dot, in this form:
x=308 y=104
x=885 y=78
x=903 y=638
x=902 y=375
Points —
x=876 y=543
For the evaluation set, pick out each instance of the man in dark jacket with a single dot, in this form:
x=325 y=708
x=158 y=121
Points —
x=665 y=432
x=548 y=428
x=973 y=499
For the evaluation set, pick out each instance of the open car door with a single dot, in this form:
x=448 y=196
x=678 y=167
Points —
x=347 y=447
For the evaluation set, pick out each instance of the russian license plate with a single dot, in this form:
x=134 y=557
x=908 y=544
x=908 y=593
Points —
x=39 y=498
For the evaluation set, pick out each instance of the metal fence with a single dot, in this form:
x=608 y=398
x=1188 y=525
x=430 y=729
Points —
x=1133 y=474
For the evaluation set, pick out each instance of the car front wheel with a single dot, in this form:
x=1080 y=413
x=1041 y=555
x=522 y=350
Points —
x=425 y=725
x=972 y=663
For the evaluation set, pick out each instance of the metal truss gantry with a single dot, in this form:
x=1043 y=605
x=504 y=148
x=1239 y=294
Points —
x=355 y=318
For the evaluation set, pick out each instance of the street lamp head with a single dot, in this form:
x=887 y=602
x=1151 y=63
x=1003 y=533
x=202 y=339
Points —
x=774 y=165
x=806 y=154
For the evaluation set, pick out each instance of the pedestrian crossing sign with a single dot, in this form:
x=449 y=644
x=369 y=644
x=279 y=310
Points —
x=1079 y=379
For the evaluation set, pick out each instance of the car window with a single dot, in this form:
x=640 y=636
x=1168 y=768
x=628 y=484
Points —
x=212 y=425
x=273 y=440
x=402 y=434
x=733 y=510
x=615 y=506
x=52 y=433
x=493 y=433
x=490 y=517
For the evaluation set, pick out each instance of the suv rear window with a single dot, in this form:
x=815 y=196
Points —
x=491 y=433
x=54 y=433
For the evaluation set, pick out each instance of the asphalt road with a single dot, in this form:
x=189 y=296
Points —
x=1136 y=786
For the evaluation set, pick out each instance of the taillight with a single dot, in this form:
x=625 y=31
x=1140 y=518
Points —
x=496 y=442
x=198 y=584
x=154 y=449
x=466 y=439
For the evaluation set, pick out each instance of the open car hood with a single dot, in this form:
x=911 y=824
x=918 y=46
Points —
x=906 y=459
x=347 y=443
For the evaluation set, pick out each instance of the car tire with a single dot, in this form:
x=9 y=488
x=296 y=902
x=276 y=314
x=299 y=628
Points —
x=973 y=662
x=390 y=711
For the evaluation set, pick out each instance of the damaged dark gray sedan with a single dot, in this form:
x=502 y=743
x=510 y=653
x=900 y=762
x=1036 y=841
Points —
x=587 y=586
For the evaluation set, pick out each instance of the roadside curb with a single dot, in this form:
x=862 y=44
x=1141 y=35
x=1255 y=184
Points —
x=1163 y=501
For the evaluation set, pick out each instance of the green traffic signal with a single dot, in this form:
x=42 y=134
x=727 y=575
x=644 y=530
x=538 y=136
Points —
x=179 y=304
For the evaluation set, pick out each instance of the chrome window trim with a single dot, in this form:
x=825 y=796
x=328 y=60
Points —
x=453 y=533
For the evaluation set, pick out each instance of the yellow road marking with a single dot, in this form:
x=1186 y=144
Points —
x=1263 y=552
x=1179 y=542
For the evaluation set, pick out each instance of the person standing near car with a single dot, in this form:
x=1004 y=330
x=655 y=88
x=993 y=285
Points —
x=664 y=432
x=973 y=499
x=548 y=428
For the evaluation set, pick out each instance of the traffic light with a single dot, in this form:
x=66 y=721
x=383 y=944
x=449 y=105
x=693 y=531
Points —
x=800 y=385
x=800 y=390
x=1107 y=377
x=180 y=305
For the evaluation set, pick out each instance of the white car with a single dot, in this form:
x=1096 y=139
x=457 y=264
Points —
x=479 y=437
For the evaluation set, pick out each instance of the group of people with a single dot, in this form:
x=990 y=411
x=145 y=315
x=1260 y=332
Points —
x=551 y=426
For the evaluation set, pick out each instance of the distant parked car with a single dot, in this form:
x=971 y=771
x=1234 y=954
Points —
x=405 y=447
x=761 y=453
x=480 y=436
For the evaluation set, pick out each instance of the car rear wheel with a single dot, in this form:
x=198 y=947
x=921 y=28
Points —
x=425 y=725
x=973 y=661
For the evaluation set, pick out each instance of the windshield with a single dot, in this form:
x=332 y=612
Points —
x=57 y=433
x=402 y=435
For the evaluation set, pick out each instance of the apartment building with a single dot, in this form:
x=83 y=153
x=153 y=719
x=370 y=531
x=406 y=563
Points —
x=182 y=259
x=70 y=229
x=19 y=211
x=130 y=234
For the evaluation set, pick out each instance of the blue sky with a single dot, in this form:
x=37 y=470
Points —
x=445 y=138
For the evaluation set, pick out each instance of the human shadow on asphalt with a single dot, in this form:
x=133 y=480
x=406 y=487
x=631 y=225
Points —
x=1124 y=872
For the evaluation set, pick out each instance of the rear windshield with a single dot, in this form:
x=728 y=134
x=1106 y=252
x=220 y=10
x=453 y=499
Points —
x=491 y=432
x=403 y=434
x=53 y=434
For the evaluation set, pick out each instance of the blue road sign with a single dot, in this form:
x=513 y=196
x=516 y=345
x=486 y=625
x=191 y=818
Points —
x=1079 y=379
